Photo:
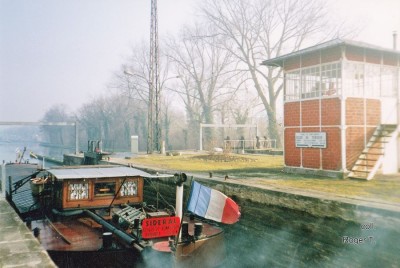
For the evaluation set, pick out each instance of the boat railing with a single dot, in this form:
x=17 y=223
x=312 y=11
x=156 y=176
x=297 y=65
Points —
x=13 y=187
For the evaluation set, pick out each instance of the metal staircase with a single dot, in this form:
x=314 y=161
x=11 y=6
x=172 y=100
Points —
x=371 y=158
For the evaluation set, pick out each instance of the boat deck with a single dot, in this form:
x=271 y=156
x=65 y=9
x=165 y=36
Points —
x=208 y=230
x=81 y=234
x=22 y=199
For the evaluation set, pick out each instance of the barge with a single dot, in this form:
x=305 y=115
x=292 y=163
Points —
x=96 y=216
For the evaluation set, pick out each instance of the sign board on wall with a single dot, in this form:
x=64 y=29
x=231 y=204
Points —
x=311 y=139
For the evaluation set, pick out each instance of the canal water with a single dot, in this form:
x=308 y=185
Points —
x=271 y=236
x=9 y=151
x=274 y=236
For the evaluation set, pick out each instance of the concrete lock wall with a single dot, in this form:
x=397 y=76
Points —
x=134 y=144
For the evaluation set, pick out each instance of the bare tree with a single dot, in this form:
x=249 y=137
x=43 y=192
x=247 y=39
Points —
x=94 y=119
x=58 y=134
x=133 y=82
x=257 y=30
x=132 y=79
x=113 y=119
x=205 y=72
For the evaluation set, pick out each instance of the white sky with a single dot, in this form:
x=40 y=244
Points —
x=64 y=52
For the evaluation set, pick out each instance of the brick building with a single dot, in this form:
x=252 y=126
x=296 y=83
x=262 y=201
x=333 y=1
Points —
x=341 y=109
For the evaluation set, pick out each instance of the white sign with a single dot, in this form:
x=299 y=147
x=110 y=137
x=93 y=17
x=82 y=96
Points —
x=311 y=139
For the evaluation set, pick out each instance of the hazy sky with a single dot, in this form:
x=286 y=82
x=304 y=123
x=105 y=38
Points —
x=64 y=51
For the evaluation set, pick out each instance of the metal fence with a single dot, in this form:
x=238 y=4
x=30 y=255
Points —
x=254 y=144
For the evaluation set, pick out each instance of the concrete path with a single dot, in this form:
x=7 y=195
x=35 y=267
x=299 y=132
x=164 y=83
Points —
x=18 y=246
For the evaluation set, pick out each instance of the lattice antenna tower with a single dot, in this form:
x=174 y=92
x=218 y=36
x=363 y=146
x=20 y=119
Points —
x=154 y=130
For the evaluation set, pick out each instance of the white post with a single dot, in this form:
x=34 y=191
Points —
x=134 y=144
x=76 y=139
x=201 y=137
x=179 y=201
x=398 y=112
x=163 y=147
x=3 y=181
x=179 y=180
x=343 y=126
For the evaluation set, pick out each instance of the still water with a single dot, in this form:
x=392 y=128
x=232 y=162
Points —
x=274 y=236
x=9 y=151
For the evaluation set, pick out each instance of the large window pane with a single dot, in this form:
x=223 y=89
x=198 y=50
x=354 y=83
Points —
x=313 y=82
x=389 y=81
x=370 y=80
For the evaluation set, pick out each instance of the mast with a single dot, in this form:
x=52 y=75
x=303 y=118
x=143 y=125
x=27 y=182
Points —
x=154 y=130
x=179 y=180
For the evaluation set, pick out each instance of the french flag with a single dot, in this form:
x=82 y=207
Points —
x=212 y=204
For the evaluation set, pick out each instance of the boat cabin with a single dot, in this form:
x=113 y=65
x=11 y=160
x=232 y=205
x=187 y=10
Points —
x=87 y=187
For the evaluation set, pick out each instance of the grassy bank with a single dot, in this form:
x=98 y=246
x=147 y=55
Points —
x=212 y=163
x=266 y=170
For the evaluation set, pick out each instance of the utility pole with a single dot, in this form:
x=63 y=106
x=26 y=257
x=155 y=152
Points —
x=154 y=130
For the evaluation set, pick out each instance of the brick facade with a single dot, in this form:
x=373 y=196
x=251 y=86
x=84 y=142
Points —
x=291 y=114
x=314 y=158
x=311 y=156
x=292 y=154
x=329 y=158
x=310 y=113
x=357 y=134
x=330 y=112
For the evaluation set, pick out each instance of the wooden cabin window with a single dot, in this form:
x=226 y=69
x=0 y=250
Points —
x=104 y=188
x=129 y=188
x=78 y=191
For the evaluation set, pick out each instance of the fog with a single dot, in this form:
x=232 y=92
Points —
x=64 y=52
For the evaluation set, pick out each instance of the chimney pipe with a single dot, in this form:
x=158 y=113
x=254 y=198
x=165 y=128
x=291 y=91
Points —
x=394 y=40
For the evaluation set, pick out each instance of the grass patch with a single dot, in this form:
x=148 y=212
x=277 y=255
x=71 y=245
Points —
x=374 y=189
x=211 y=163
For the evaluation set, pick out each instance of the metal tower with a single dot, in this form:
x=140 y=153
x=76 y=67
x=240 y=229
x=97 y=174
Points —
x=154 y=129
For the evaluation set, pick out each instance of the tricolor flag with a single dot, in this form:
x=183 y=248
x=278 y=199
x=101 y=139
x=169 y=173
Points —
x=212 y=204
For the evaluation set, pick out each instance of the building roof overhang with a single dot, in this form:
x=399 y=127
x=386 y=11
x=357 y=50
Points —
x=279 y=61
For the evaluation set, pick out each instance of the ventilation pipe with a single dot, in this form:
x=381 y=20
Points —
x=394 y=40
